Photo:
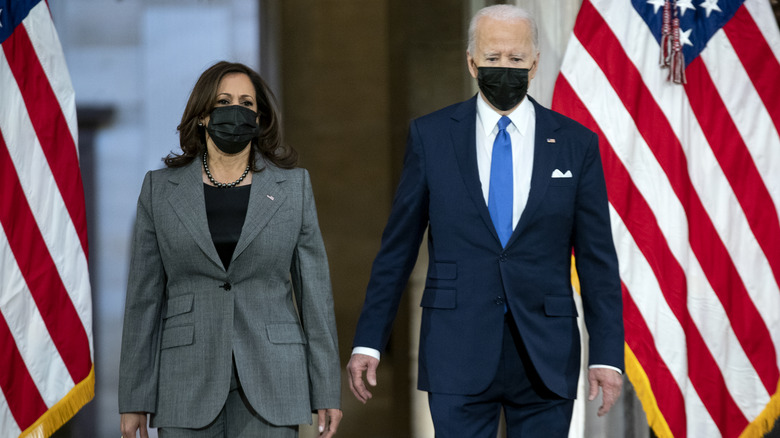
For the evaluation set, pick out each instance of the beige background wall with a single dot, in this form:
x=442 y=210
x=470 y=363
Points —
x=353 y=73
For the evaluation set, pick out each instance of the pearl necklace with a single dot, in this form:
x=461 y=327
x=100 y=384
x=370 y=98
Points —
x=219 y=184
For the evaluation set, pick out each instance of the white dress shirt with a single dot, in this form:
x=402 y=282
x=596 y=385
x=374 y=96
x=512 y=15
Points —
x=522 y=132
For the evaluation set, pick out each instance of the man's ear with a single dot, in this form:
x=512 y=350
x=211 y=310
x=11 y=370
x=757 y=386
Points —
x=471 y=65
x=534 y=68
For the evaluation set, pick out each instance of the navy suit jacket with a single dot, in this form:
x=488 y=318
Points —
x=471 y=277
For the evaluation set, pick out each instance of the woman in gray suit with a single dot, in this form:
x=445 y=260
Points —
x=229 y=327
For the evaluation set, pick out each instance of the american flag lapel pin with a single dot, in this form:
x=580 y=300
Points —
x=550 y=140
x=270 y=197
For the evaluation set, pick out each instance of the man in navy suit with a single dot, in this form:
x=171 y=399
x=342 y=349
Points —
x=507 y=190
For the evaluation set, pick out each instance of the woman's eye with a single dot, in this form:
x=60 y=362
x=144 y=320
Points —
x=247 y=103
x=223 y=102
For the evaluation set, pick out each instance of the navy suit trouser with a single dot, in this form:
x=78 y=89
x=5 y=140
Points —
x=530 y=409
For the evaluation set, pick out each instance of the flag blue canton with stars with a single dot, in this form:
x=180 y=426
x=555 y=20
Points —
x=12 y=12
x=699 y=20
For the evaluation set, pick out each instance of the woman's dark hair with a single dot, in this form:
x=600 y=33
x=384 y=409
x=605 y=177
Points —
x=268 y=144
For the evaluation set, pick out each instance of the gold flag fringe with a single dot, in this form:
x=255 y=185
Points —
x=63 y=410
x=766 y=419
x=757 y=428
x=636 y=374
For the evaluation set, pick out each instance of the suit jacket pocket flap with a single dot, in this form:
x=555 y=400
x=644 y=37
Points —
x=178 y=305
x=444 y=271
x=558 y=305
x=285 y=333
x=177 y=336
x=439 y=298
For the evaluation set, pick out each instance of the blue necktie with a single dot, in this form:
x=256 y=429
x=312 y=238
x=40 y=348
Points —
x=500 y=195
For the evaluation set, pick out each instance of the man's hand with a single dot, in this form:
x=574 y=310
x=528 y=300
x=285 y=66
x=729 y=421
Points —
x=328 y=421
x=610 y=382
x=357 y=364
x=132 y=422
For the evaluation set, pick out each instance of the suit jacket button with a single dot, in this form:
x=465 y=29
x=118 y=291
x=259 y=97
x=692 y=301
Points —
x=226 y=286
x=502 y=257
x=499 y=300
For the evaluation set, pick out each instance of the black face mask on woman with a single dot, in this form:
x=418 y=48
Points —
x=503 y=87
x=232 y=127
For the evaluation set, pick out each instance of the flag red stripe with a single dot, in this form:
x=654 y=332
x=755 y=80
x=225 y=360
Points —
x=737 y=164
x=716 y=262
x=739 y=168
x=40 y=273
x=669 y=398
x=50 y=126
x=640 y=222
x=752 y=48
x=24 y=400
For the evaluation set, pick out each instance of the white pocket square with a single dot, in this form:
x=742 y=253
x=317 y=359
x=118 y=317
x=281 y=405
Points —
x=558 y=174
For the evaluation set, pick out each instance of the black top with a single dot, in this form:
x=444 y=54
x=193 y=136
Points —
x=226 y=211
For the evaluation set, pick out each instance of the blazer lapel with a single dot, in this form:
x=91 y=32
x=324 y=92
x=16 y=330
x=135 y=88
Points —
x=544 y=157
x=265 y=198
x=464 y=141
x=189 y=203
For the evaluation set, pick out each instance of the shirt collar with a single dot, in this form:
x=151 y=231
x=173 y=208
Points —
x=519 y=117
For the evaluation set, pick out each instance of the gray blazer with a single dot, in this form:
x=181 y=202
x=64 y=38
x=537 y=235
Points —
x=185 y=316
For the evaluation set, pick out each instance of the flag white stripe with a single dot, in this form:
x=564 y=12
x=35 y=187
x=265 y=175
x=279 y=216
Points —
x=33 y=341
x=755 y=127
x=646 y=294
x=588 y=81
x=706 y=175
x=43 y=196
x=620 y=131
x=7 y=421
x=699 y=422
x=645 y=291
x=764 y=17
x=741 y=379
x=594 y=91
x=46 y=43
x=709 y=316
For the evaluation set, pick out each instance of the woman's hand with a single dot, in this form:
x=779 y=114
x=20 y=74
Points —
x=133 y=421
x=328 y=421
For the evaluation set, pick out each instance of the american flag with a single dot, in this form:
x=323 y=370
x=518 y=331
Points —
x=685 y=98
x=46 y=361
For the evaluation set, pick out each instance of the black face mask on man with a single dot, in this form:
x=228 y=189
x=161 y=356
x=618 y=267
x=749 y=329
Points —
x=503 y=87
x=232 y=127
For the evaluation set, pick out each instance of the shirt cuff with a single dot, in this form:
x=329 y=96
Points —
x=367 y=351
x=598 y=366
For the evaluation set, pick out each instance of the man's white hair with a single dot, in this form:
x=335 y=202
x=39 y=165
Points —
x=504 y=13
